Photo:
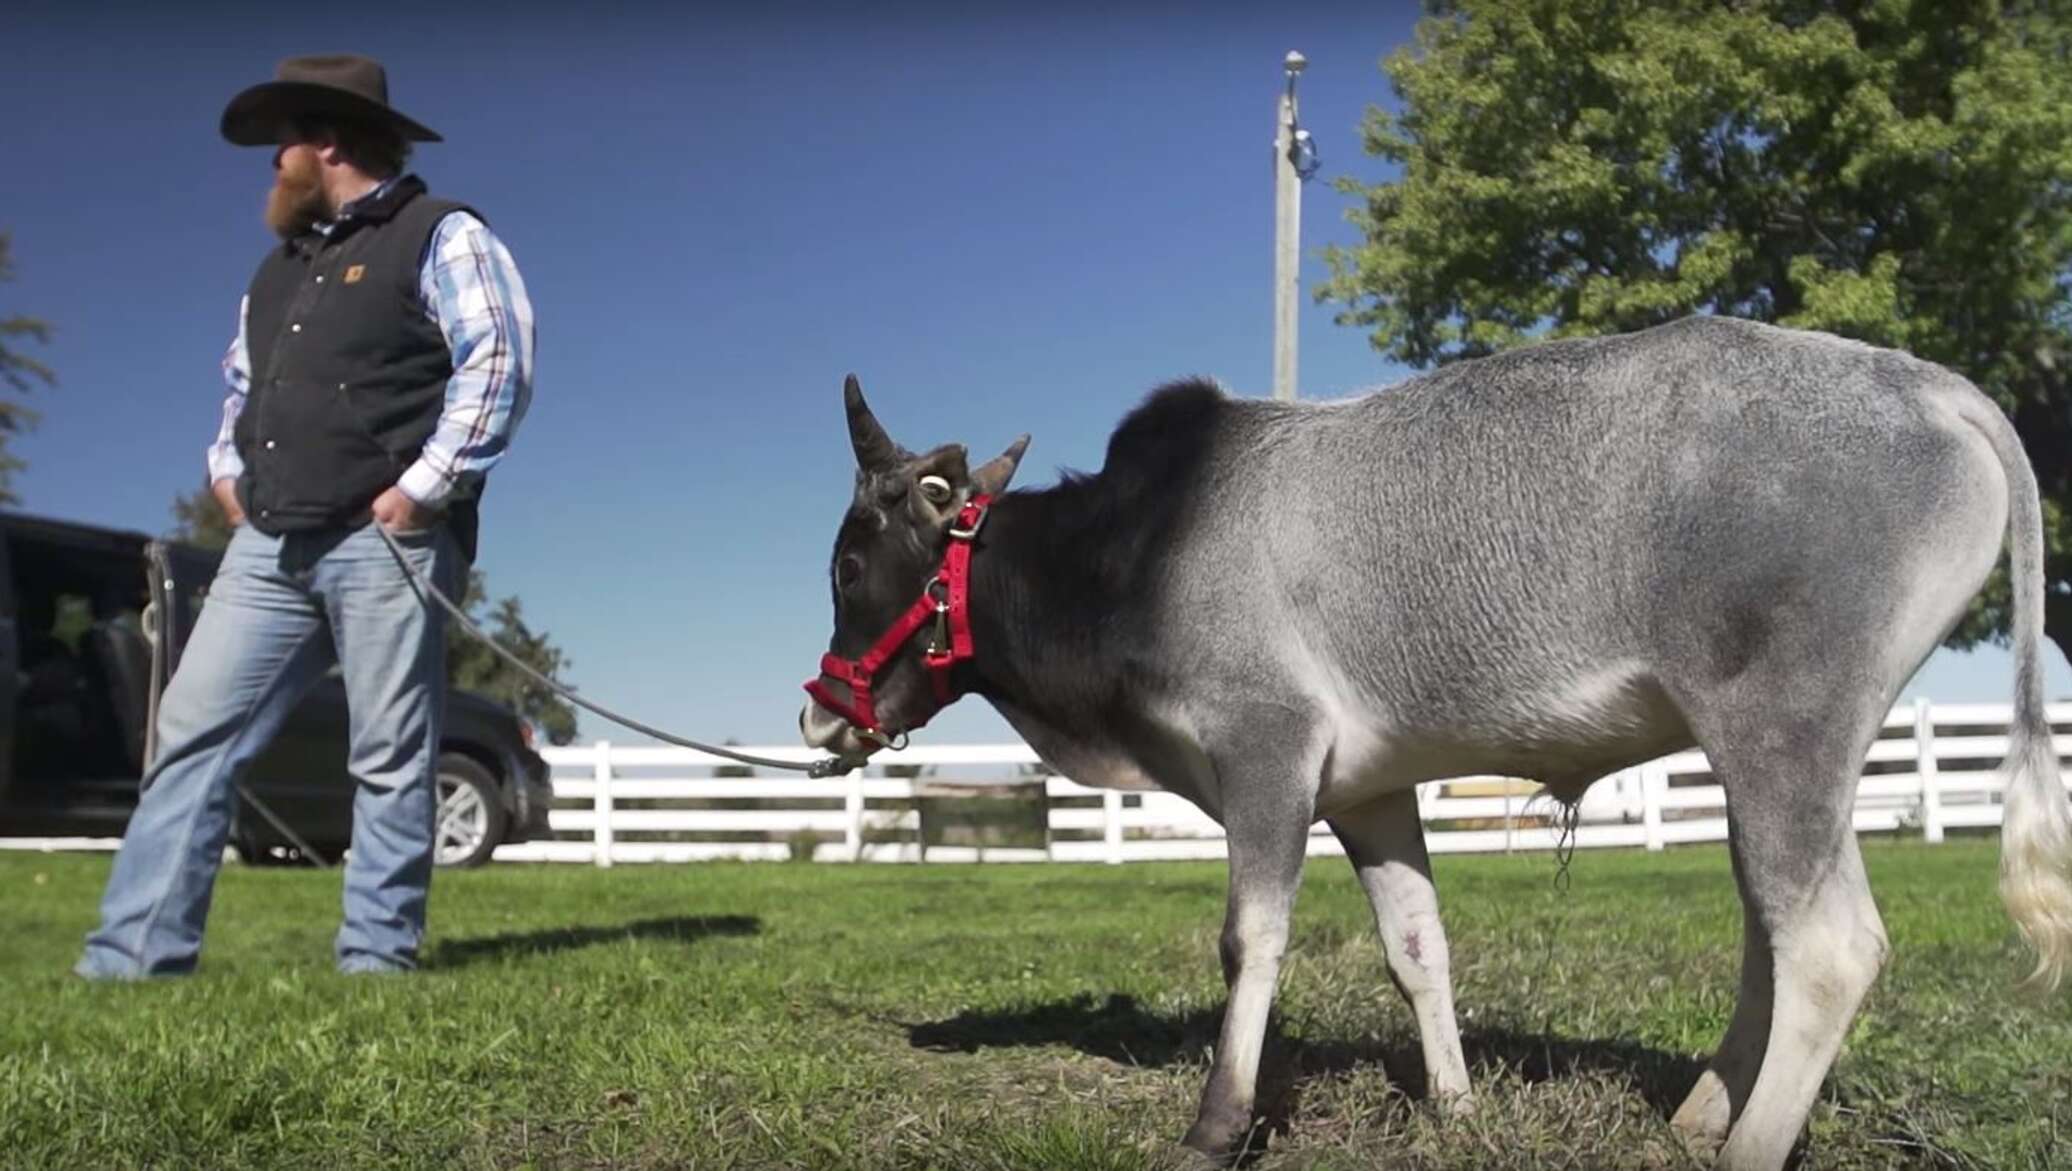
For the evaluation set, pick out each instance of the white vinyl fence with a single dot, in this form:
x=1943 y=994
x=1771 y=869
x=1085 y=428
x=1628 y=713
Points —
x=1932 y=769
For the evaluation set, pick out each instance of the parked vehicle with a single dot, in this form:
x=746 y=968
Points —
x=92 y=622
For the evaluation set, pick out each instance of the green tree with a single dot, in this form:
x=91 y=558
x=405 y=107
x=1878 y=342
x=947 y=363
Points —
x=1898 y=171
x=198 y=519
x=474 y=667
x=20 y=372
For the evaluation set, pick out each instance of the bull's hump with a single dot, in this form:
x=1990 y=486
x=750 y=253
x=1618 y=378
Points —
x=1178 y=415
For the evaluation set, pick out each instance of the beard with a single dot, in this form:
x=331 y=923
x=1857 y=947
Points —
x=297 y=199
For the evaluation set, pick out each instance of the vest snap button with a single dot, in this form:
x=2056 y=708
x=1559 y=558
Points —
x=269 y=445
x=295 y=328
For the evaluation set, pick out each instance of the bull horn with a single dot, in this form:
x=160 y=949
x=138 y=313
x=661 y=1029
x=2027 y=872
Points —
x=992 y=476
x=874 y=448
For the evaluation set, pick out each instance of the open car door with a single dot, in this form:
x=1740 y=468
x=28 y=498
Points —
x=180 y=577
x=10 y=672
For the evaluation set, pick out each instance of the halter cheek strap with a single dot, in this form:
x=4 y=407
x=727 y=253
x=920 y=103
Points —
x=946 y=602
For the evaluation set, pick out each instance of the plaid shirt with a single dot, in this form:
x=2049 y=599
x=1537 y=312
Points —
x=471 y=289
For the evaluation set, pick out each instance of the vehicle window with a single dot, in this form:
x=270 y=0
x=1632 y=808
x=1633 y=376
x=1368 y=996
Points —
x=82 y=662
x=75 y=613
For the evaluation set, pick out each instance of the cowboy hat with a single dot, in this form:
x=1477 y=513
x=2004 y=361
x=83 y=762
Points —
x=343 y=86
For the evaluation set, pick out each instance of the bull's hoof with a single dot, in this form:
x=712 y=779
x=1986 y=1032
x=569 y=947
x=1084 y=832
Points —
x=1704 y=1117
x=1186 y=1158
x=1218 y=1140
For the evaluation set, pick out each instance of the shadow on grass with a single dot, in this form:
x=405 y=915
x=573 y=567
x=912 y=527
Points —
x=457 y=953
x=1122 y=1030
x=1117 y=1029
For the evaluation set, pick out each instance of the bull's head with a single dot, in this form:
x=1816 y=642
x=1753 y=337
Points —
x=890 y=546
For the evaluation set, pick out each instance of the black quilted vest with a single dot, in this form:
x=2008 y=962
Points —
x=348 y=372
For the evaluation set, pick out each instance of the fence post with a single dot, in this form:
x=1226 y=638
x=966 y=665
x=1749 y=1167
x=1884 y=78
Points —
x=1653 y=780
x=1111 y=824
x=1925 y=767
x=602 y=803
x=852 y=804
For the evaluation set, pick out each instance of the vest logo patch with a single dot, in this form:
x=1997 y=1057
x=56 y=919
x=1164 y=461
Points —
x=354 y=272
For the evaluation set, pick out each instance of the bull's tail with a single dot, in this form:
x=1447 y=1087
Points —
x=2036 y=827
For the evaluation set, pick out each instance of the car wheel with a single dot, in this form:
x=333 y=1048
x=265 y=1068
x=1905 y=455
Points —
x=471 y=813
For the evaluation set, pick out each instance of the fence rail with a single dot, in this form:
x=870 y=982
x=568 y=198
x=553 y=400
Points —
x=1932 y=769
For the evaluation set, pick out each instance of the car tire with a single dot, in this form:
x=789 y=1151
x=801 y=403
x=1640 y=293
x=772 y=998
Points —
x=471 y=817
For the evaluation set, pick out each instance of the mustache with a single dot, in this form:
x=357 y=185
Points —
x=295 y=202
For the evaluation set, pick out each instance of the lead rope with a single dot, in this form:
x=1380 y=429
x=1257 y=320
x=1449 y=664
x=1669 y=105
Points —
x=830 y=766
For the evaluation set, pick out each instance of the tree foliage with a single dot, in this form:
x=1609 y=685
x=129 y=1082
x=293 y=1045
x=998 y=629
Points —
x=471 y=666
x=1898 y=171
x=20 y=372
x=474 y=667
x=198 y=520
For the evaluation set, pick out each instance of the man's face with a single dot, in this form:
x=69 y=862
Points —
x=297 y=199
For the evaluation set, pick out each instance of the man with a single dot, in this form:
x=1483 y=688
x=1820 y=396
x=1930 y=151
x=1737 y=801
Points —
x=382 y=360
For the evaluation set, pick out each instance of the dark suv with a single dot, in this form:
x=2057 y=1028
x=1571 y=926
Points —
x=92 y=622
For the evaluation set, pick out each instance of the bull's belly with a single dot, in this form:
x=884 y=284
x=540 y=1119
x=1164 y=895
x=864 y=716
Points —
x=1079 y=758
x=1563 y=735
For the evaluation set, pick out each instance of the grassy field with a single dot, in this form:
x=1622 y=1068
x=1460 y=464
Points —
x=1000 y=1017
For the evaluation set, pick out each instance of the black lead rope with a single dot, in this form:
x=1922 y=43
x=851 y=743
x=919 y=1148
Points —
x=831 y=766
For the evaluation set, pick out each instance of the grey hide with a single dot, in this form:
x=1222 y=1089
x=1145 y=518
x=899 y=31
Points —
x=1555 y=563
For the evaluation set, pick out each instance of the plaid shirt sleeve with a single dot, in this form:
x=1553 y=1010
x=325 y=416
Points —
x=472 y=290
x=224 y=462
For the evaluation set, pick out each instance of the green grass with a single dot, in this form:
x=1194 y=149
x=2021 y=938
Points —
x=999 y=1017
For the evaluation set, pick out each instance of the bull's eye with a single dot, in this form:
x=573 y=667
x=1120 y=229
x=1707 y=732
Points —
x=935 y=489
x=848 y=571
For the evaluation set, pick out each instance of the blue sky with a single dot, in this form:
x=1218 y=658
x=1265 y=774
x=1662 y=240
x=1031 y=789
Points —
x=1002 y=219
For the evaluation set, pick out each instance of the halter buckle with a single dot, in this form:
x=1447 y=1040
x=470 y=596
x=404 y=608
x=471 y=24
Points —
x=959 y=532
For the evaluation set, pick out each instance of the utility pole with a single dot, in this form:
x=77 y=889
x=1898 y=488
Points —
x=1294 y=160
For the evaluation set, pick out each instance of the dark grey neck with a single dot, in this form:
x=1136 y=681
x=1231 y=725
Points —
x=1056 y=594
x=1064 y=577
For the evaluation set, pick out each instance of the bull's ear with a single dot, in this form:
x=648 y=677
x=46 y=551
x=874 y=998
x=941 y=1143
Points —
x=875 y=450
x=935 y=483
x=992 y=477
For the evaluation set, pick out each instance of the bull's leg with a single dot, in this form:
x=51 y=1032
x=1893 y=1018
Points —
x=1267 y=844
x=1709 y=1109
x=1791 y=783
x=1384 y=839
x=1827 y=946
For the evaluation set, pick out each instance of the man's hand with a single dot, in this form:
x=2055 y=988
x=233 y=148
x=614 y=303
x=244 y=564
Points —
x=398 y=513
x=225 y=491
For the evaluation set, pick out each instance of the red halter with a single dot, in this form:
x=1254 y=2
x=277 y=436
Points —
x=947 y=600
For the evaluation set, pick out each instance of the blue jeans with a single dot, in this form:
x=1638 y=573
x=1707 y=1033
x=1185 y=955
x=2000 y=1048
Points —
x=280 y=612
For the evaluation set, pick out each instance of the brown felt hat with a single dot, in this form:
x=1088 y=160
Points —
x=343 y=86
